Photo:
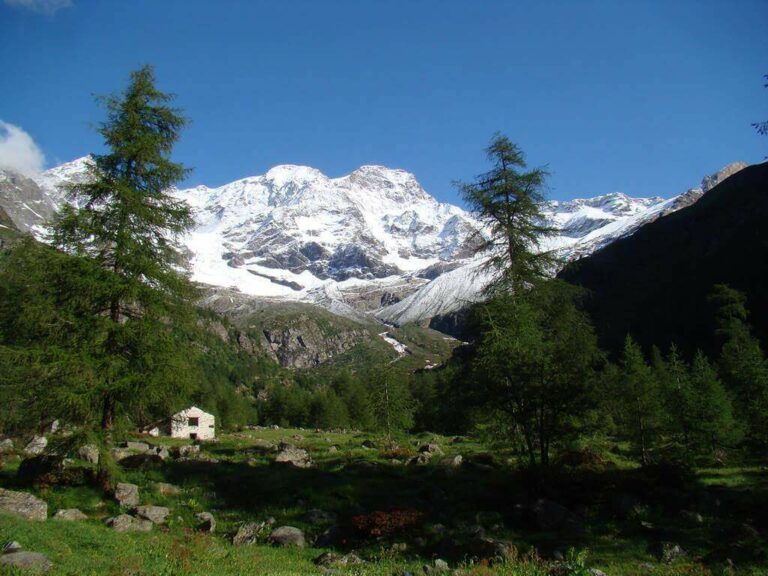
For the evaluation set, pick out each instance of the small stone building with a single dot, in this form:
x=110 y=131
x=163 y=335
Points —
x=190 y=423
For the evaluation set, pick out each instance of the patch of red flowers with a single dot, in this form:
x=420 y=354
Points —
x=380 y=523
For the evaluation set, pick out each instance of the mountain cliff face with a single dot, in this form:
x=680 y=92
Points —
x=654 y=284
x=373 y=242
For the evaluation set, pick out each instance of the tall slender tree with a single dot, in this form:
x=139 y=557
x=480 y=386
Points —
x=124 y=218
x=509 y=199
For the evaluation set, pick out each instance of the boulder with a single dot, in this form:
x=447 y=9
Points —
x=6 y=446
x=287 y=536
x=297 y=457
x=368 y=444
x=549 y=515
x=32 y=562
x=42 y=469
x=431 y=448
x=165 y=489
x=667 y=552
x=207 y=523
x=36 y=445
x=453 y=461
x=333 y=449
x=319 y=517
x=127 y=495
x=188 y=451
x=89 y=453
x=264 y=445
x=160 y=451
x=333 y=560
x=126 y=523
x=144 y=461
x=155 y=514
x=137 y=446
x=23 y=505
x=11 y=547
x=70 y=514
x=484 y=548
x=250 y=532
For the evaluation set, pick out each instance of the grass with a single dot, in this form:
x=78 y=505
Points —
x=246 y=486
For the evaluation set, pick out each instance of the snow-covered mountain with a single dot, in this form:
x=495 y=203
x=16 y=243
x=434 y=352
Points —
x=373 y=241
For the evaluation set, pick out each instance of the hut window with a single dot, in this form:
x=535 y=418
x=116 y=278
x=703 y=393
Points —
x=193 y=421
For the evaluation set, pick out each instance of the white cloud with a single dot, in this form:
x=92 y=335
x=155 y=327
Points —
x=18 y=151
x=49 y=7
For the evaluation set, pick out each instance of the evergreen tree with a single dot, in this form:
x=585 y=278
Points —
x=713 y=424
x=328 y=411
x=675 y=386
x=509 y=199
x=393 y=405
x=535 y=362
x=641 y=409
x=742 y=364
x=356 y=399
x=128 y=224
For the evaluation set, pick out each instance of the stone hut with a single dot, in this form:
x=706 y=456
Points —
x=192 y=423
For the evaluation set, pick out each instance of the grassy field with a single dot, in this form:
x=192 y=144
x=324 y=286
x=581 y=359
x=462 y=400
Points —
x=446 y=506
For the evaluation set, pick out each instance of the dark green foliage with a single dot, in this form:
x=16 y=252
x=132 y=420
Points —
x=762 y=127
x=509 y=199
x=638 y=403
x=535 y=362
x=393 y=406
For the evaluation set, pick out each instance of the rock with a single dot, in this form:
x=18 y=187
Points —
x=187 y=451
x=126 y=523
x=89 y=453
x=161 y=452
x=27 y=561
x=596 y=572
x=11 y=547
x=207 y=522
x=317 y=517
x=368 y=444
x=453 y=461
x=331 y=537
x=439 y=567
x=137 y=446
x=431 y=448
x=127 y=495
x=333 y=449
x=331 y=560
x=42 y=469
x=667 y=552
x=484 y=548
x=249 y=533
x=70 y=514
x=294 y=456
x=144 y=461
x=6 y=446
x=692 y=517
x=297 y=437
x=23 y=505
x=264 y=445
x=287 y=536
x=549 y=515
x=155 y=514
x=165 y=489
x=36 y=445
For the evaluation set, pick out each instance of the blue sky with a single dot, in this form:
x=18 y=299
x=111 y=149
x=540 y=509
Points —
x=643 y=97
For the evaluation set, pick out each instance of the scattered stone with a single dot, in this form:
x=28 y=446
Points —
x=207 y=522
x=27 y=561
x=161 y=452
x=368 y=444
x=127 y=495
x=316 y=516
x=440 y=566
x=43 y=469
x=126 y=523
x=333 y=449
x=144 y=461
x=399 y=547
x=330 y=537
x=549 y=515
x=250 y=532
x=596 y=572
x=287 y=536
x=11 y=547
x=23 y=505
x=261 y=444
x=453 y=461
x=484 y=548
x=692 y=517
x=667 y=552
x=187 y=451
x=165 y=489
x=137 y=446
x=36 y=445
x=70 y=514
x=297 y=437
x=332 y=559
x=89 y=453
x=294 y=456
x=6 y=446
x=155 y=514
x=431 y=448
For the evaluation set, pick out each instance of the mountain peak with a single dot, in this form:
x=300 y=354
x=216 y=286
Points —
x=287 y=173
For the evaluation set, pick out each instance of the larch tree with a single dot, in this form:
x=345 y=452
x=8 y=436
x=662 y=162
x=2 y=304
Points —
x=508 y=198
x=124 y=218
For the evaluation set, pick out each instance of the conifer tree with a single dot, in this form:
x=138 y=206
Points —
x=124 y=219
x=509 y=198
x=393 y=406
x=713 y=424
x=641 y=410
